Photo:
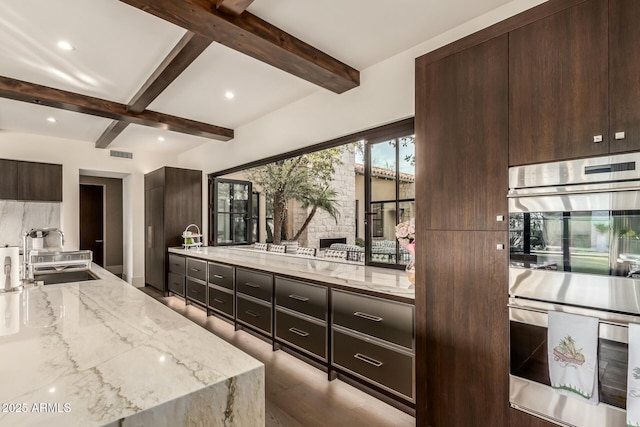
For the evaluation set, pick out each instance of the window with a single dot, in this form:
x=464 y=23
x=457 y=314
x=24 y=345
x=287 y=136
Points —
x=231 y=212
x=255 y=217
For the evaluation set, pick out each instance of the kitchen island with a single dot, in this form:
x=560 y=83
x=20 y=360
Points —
x=101 y=352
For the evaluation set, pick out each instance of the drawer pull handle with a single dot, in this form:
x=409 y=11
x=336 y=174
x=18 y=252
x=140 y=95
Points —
x=251 y=285
x=218 y=300
x=252 y=313
x=195 y=291
x=194 y=269
x=177 y=264
x=299 y=332
x=299 y=298
x=368 y=360
x=217 y=276
x=368 y=316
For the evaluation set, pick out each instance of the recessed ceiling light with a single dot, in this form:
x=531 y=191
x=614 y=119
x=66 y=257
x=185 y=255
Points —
x=229 y=95
x=161 y=138
x=65 y=45
x=51 y=120
x=52 y=390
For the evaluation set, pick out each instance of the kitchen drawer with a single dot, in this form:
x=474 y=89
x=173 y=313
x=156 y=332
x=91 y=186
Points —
x=254 y=313
x=197 y=269
x=221 y=275
x=302 y=297
x=258 y=285
x=196 y=290
x=176 y=284
x=388 y=320
x=176 y=264
x=304 y=334
x=391 y=369
x=221 y=300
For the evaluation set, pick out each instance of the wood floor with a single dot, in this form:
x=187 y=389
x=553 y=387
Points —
x=297 y=394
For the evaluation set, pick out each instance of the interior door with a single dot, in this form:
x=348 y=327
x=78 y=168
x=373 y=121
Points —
x=92 y=221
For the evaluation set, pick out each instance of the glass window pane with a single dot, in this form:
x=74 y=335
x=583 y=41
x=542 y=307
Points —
x=383 y=171
x=240 y=198
x=224 y=197
x=384 y=244
x=588 y=246
x=223 y=229
x=407 y=161
x=239 y=229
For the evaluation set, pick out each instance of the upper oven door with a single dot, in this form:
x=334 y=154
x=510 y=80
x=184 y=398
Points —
x=597 y=235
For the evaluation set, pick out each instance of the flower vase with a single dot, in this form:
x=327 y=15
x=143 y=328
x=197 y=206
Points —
x=411 y=271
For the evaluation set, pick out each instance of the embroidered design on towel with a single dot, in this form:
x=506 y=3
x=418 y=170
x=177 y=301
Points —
x=567 y=356
x=566 y=352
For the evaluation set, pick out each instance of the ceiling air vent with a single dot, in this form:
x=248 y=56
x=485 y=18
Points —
x=121 y=154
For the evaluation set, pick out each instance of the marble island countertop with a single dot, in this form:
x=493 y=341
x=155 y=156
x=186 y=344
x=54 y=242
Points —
x=102 y=352
x=382 y=281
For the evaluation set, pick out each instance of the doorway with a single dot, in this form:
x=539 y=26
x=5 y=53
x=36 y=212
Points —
x=92 y=221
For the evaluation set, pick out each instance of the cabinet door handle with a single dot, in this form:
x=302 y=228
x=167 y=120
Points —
x=368 y=360
x=218 y=300
x=252 y=313
x=299 y=298
x=195 y=291
x=368 y=316
x=251 y=285
x=217 y=276
x=150 y=237
x=194 y=269
x=299 y=332
x=597 y=138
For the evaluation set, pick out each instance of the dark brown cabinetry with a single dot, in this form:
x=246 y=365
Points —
x=466 y=328
x=173 y=200
x=521 y=419
x=462 y=120
x=41 y=182
x=624 y=74
x=254 y=296
x=574 y=86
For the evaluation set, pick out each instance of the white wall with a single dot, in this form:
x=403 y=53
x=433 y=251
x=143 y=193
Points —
x=76 y=155
x=385 y=95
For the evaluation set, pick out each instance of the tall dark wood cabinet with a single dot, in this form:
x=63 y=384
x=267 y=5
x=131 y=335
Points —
x=461 y=297
x=558 y=90
x=173 y=200
x=8 y=179
x=624 y=75
x=521 y=419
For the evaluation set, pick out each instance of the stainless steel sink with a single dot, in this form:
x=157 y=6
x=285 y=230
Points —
x=66 y=277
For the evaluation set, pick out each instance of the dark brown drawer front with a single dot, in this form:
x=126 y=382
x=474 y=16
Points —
x=221 y=300
x=254 y=313
x=389 y=368
x=176 y=284
x=257 y=285
x=177 y=264
x=302 y=297
x=221 y=275
x=302 y=333
x=387 y=320
x=197 y=269
x=196 y=291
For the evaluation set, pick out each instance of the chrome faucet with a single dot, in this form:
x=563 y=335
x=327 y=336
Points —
x=27 y=274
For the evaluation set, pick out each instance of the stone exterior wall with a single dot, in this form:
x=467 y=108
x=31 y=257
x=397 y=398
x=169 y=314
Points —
x=323 y=225
x=408 y=191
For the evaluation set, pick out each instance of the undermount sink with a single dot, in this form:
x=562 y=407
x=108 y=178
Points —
x=66 y=277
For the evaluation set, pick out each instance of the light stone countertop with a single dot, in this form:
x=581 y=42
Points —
x=382 y=281
x=102 y=352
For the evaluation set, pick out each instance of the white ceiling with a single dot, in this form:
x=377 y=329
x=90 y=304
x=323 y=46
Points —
x=117 y=47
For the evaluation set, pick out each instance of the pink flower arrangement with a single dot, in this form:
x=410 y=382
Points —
x=406 y=235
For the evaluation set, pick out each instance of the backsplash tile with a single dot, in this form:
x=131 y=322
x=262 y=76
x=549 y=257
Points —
x=18 y=217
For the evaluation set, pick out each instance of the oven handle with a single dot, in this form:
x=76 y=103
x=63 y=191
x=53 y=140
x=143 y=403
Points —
x=607 y=329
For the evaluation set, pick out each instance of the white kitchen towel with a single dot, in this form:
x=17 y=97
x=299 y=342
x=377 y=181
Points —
x=633 y=377
x=572 y=342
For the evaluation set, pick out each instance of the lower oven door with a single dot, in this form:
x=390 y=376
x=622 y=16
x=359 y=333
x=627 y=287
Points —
x=529 y=385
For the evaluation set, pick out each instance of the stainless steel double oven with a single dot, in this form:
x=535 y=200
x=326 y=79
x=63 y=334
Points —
x=574 y=231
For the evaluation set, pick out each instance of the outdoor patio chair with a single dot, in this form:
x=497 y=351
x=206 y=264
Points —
x=306 y=251
x=333 y=254
x=279 y=249
x=260 y=246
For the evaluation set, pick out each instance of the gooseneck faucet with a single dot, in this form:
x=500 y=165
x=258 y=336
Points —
x=27 y=274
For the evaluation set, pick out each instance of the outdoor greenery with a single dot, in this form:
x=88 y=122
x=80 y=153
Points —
x=305 y=178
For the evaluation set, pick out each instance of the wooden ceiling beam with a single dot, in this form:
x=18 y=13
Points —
x=233 y=7
x=42 y=95
x=181 y=56
x=113 y=130
x=257 y=38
